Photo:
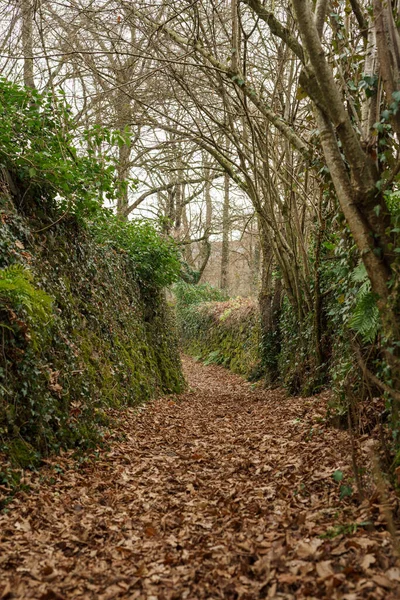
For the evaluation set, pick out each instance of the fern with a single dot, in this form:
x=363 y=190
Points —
x=359 y=275
x=365 y=318
x=16 y=287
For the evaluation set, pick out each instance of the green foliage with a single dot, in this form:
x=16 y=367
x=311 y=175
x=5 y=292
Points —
x=365 y=320
x=16 y=288
x=187 y=294
x=345 y=529
x=188 y=274
x=214 y=358
x=78 y=335
x=337 y=475
x=38 y=148
x=296 y=359
x=392 y=198
x=219 y=332
x=155 y=258
x=344 y=490
x=365 y=314
x=349 y=308
x=353 y=304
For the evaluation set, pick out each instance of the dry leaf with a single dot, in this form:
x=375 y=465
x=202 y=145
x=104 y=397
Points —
x=5 y=592
x=367 y=561
x=393 y=574
x=150 y=531
x=308 y=549
x=383 y=581
x=324 y=569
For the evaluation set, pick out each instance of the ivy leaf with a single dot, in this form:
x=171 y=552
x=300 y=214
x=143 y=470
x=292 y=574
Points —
x=338 y=475
x=396 y=96
x=345 y=491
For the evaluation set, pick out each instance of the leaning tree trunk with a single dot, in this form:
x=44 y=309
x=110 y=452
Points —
x=354 y=178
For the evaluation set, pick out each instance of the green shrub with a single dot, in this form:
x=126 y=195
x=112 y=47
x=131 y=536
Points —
x=188 y=294
x=155 y=257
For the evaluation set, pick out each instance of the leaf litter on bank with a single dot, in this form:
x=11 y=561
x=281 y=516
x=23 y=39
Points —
x=221 y=492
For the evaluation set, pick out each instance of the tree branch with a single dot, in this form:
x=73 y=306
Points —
x=276 y=27
x=161 y=188
x=238 y=80
x=361 y=20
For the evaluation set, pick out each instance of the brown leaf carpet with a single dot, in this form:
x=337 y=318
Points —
x=222 y=492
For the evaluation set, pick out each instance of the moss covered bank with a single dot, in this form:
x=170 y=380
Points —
x=218 y=330
x=79 y=332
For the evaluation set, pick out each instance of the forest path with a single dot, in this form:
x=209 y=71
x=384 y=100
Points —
x=222 y=492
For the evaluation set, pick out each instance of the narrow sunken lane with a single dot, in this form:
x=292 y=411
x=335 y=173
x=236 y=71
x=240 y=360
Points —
x=222 y=492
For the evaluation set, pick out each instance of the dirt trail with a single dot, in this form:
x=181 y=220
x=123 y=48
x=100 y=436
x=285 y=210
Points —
x=223 y=492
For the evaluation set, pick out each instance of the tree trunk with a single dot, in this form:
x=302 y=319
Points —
x=264 y=296
x=205 y=250
x=269 y=299
x=225 y=236
x=317 y=287
x=124 y=118
x=388 y=45
x=356 y=193
x=187 y=252
x=124 y=154
x=256 y=261
x=27 y=41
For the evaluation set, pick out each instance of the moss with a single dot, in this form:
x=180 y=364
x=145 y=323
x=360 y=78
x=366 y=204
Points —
x=22 y=454
x=226 y=333
x=107 y=342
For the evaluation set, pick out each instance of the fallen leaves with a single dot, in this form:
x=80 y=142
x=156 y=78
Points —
x=324 y=569
x=308 y=549
x=367 y=561
x=218 y=493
